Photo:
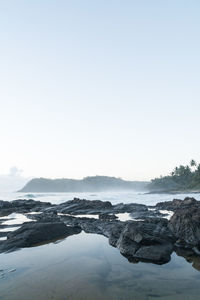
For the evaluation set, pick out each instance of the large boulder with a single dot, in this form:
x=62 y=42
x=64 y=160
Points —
x=185 y=224
x=150 y=241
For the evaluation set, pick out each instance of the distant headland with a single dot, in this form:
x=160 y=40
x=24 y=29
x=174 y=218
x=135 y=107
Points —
x=87 y=184
x=183 y=179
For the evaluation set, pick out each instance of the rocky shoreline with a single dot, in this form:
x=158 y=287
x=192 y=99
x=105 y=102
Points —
x=151 y=235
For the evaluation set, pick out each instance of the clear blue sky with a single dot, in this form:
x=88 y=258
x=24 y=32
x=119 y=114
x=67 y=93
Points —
x=99 y=87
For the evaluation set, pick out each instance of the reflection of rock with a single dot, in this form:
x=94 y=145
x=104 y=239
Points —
x=189 y=256
x=146 y=214
x=150 y=240
x=32 y=234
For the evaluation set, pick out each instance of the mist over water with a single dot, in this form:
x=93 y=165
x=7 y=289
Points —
x=113 y=197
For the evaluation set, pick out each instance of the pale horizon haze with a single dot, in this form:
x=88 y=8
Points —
x=99 y=87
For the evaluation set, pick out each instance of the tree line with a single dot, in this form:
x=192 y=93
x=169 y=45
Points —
x=181 y=178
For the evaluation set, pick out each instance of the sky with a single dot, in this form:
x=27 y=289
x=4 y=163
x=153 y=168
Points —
x=104 y=87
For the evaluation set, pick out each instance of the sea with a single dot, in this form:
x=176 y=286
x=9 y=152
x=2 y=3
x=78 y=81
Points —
x=114 y=197
x=86 y=267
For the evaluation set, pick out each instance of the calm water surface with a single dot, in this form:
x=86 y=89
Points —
x=85 y=267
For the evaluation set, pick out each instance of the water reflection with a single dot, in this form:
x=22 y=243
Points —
x=167 y=214
x=11 y=222
x=80 y=216
x=190 y=257
x=85 y=266
x=15 y=219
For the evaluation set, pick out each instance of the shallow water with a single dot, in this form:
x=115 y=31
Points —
x=86 y=267
x=124 y=217
x=14 y=219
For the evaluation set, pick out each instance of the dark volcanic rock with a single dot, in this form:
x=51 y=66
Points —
x=89 y=225
x=176 y=204
x=149 y=240
x=45 y=217
x=107 y=217
x=185 y=224
x=21 y=206
x=128 y=208
x=33 y=234
x=145 y=241
x=29 y=204
x=146 y=214
x=82 y=206
x=4 y=204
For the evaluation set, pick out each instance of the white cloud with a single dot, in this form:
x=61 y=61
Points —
x=12 y=181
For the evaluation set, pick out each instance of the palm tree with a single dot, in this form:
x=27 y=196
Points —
x=193 y=163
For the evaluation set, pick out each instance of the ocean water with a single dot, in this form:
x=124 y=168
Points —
x=113 y=197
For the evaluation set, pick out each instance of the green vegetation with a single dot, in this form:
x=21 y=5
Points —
x=87 y=184
x=181 y=178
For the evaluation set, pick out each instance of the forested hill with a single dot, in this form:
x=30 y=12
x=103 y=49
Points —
x=182 y=178
x=87 y=184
